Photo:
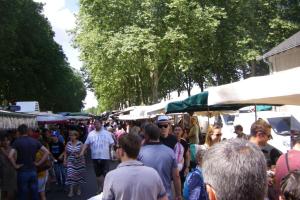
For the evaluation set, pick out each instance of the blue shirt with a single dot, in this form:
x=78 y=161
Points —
x=162 y=159
x=194 y=188
x=26 y=148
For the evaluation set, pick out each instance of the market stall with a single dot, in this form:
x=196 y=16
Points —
x=198 y=102
x=50 y=118
x=11 y=120
x=278 y=88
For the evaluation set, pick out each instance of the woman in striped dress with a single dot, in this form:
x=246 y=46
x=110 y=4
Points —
x=74 y=163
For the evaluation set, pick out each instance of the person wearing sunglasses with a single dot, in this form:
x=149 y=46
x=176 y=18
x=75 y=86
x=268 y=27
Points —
x=260 y=134
x=162 y=158
x=166 y=136
x=131 y=179
x=213 y=136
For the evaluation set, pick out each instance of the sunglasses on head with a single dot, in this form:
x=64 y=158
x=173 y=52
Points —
x=163 y=126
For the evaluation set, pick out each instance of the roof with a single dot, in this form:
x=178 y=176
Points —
x=289 y=43
x=16 y=114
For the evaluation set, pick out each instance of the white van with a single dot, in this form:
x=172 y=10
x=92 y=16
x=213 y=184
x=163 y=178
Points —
x=28 y=106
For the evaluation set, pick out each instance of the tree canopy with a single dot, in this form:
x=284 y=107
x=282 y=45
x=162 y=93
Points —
x=33 y=66
x=137 y=51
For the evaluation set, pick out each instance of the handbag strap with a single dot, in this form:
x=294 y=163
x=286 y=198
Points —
x=287 y=161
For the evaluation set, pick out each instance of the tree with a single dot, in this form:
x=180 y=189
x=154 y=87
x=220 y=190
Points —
x=136 y=52
x=33 y=66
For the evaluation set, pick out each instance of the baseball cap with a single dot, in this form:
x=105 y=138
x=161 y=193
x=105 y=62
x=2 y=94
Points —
x=54 y=134
x=163 y=118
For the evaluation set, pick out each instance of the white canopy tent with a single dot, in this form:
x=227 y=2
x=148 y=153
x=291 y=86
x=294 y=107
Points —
x=50 y=118
x=11 y=120
x=138 y=112
x=78 y=117
x=279 y=88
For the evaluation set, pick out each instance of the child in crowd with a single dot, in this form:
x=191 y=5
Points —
x=57 y=148
x=194 y=187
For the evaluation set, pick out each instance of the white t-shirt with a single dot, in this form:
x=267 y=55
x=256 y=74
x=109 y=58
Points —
x=99 y=142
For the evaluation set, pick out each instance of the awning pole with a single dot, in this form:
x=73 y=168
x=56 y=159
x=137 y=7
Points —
x=255 y=112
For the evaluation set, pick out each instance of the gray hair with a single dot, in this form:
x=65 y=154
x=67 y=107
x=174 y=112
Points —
x=236 y=169
x=200 y=154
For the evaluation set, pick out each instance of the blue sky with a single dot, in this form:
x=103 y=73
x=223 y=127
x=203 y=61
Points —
x=61 y=14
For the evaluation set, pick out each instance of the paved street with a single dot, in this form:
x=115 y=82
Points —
x=88 y=189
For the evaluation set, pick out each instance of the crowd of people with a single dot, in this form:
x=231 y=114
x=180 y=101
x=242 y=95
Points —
x=30 y=159
x=158 y=160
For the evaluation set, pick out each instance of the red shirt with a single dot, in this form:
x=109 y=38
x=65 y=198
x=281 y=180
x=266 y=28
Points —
x=281 y=166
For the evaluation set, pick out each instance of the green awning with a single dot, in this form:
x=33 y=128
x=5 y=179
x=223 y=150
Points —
x=263 y=108
x=196 y=103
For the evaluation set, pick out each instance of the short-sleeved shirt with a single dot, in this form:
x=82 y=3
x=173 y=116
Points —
x=26 y=148
x=99 y=142
x=281 y=165
x=169 y=141
x=56 y=149
x=271 y=154
x=162 y=159
x=133 y=180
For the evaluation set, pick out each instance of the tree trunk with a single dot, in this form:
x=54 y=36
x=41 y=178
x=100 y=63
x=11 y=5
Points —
x=253 y=67
x=155 y=79
x=141 y=91
x=189 y=90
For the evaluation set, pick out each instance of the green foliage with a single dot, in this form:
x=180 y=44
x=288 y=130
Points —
x=32 y=65
x=137 y=51
x=93 y=110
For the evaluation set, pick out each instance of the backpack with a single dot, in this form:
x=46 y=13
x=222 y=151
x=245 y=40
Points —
x=201 y=187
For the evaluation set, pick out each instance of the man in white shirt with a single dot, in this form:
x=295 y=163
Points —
x=100 y=142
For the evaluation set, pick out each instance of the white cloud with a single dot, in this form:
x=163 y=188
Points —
x=62 y=20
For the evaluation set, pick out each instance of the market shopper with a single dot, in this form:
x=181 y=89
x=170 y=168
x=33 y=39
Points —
x=260 y=134
x=168 y=139
x=194 y=131
x=74 y=163
x=100 y=142
x=238 y=130
x=290 y=186
x=42 y=174
x=213 y=136
x=182 y=139
x=235 y=170
x=287 y=162
x=162 y=158
x=194 y=187
x=131 y=179
x=57 y=149
x=8 y=174
x=25 y=149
